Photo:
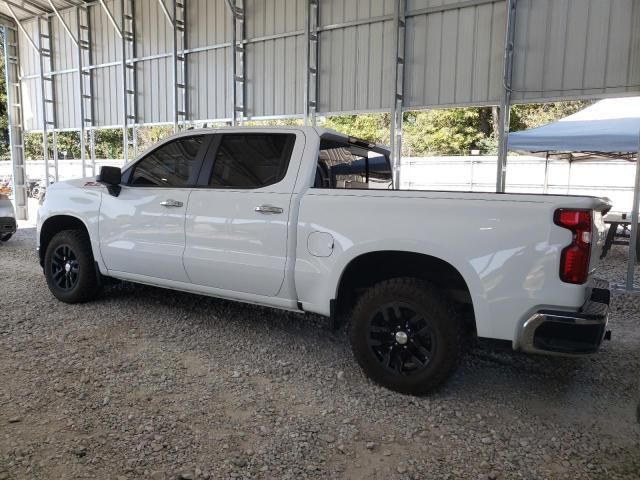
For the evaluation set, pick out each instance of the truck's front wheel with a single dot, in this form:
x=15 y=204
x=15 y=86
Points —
x=405 y=335
x=69 y=267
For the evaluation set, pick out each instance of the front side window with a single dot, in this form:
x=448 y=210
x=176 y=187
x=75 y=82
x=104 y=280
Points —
x=170 y=165
x=251 y=160
x=348 y=166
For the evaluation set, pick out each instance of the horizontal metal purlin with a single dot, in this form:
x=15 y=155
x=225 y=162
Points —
x=355 y=23
x=414 y=13
x=450 y=6
x=296 y=33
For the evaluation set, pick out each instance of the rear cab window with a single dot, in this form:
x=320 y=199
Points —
x=352 y=164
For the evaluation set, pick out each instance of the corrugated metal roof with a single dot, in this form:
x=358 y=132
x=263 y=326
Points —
x=24 y=9
x=454 y=56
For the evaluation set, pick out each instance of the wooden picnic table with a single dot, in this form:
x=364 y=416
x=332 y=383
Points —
x=616 y=220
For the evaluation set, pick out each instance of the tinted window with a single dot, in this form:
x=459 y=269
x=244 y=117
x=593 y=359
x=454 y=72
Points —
x=342 y=166
x=171 y=165
x=251 y=160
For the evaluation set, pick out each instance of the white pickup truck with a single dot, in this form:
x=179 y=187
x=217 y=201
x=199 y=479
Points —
x=306 y=219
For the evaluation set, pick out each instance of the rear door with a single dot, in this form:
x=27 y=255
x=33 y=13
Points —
x=238 y=217
x=142 y=229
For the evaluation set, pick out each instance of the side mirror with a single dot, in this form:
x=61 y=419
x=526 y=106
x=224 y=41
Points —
x=111 y=177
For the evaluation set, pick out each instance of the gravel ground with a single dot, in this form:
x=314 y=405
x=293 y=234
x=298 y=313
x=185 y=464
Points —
x=148 y=383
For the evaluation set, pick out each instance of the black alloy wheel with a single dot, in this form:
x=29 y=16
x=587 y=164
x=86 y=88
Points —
x=70 y=268
x=406 y=335
x=65 y=267
x=401 y=338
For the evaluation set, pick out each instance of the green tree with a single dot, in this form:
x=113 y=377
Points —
x=109 y=143
x=537 y=114
x=452 y=131
x=371 y=127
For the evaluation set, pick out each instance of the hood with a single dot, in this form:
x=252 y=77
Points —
x=87 y=182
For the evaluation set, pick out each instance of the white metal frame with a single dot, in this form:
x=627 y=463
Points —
x=400 y=23
x=505 y=104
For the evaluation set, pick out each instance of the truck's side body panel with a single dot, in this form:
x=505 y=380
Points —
x=79 y=199
x=139 y=235
x=506 y=247
x=231 y=246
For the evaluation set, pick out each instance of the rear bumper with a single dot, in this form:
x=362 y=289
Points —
x=7 y=225
x=569 y=333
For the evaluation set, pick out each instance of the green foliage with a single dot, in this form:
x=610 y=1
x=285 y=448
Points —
x=32 y=145
x=149 y=136
x=371 y=127
x=275 y=123
x=538 y=114
x=109 y=143
x=454 y=131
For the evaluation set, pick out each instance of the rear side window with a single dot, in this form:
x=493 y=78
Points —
x=170 y=165
x=345 y=166
x=251 y=160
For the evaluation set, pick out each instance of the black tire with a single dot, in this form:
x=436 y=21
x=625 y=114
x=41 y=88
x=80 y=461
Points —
x=69 y=267
x=423 y=353
x=5 y=238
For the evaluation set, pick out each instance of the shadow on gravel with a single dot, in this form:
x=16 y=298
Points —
x=546 y=386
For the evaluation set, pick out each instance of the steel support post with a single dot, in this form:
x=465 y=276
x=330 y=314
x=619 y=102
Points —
x=238 y=64
x=505 y=103
x=398 y=92
x=177 y=20
x=633 y=237
x=125 y=104
x=54 y=151
x=545 y=185
x=175 y=66
x=129 y=110
x=311 y=77
x=83 y=45
x=14 y=114
x=92 y=147
x=47 y=90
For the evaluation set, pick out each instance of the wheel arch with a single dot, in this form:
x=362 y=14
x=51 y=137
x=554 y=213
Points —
x=368 y=269
x=55 y=224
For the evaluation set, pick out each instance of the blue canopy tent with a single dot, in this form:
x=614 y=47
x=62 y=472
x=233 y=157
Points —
x=608 y=128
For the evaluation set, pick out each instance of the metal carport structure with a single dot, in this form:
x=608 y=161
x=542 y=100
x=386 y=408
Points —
x=83 y=65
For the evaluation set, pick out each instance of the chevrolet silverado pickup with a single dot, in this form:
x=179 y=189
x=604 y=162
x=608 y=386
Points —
x=306 y=219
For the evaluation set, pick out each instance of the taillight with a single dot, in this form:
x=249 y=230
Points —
x=574 y=261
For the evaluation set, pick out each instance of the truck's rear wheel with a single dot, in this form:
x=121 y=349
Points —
x=69 y=267
x=406 y=336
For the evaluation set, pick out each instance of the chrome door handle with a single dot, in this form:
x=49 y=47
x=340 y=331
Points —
x=268 y=209
x=171 y=203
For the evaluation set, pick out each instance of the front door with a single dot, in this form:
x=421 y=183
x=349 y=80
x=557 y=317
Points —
x=142 y=229
x=237 y=221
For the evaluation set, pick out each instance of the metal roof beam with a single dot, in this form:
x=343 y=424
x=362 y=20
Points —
x=80 y=4
x=64 y=24
x=111 y=19
x=37 y=6
x=24 y=9
x=165 y=11
x=19 y=24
